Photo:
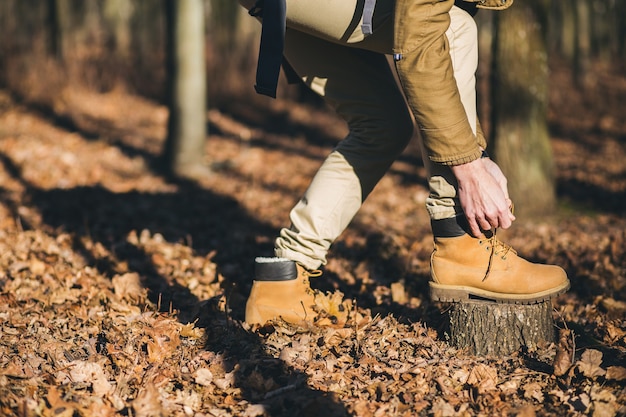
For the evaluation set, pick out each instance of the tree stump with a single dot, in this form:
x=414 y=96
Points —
x=489 y=328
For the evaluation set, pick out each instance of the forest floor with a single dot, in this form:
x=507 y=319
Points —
x=122 y=290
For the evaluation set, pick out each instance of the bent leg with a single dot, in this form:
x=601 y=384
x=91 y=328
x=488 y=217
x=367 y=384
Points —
x=463 y=267
x=360 y=87
x=462 y=36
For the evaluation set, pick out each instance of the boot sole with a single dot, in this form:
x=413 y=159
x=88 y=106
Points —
x=458 y=293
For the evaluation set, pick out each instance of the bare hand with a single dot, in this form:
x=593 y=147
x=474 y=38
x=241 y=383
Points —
x=484 y=195
x=496 y=172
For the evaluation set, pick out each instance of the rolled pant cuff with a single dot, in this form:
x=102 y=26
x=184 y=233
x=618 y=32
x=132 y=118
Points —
x=443 y=212
x=308 y=263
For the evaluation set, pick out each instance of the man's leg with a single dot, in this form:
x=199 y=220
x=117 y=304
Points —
x=462 y=37
x=359 y=85
x=461 y=265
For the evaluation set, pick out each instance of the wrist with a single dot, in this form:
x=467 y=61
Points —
x=462 y=171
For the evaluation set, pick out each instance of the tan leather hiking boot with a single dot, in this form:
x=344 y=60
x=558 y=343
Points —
x=281 y=289
x=465 y=267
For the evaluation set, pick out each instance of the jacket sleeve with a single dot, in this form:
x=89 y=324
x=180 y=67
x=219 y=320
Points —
x=424 y=66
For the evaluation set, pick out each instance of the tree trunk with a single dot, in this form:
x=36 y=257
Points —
x=561 y=37
x=520 y=98
x=488 y=328
x=582 y=59
x=620 y=9
x=62 y=28
x=118 y=14
x=184 y=147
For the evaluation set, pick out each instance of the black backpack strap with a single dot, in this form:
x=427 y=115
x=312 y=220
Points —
x=273 y=13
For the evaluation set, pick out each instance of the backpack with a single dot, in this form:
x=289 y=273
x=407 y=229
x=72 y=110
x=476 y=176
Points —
x=273 y=14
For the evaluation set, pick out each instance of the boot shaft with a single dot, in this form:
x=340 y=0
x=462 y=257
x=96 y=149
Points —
x=281 y=289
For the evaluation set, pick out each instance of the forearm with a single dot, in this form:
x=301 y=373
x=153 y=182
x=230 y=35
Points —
x=425 y=69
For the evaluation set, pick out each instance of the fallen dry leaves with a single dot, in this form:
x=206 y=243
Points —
x=122 y=293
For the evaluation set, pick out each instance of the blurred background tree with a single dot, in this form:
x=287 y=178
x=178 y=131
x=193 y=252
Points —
x=186 y=96
x=519 y=85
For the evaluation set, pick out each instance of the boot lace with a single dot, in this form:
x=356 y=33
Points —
x=306 y=274
x=496 y=248
x=315 y=273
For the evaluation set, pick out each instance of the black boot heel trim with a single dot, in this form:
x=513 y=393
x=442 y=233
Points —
x=275 y=271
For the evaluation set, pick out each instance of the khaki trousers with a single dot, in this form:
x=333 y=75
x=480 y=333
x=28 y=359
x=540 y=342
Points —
x=326 y=47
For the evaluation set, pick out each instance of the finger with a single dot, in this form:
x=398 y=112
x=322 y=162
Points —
x=511 y=209
x=505 y=221
x=512 y=217
x=487 y=224
x=474 y=227
x=506 y=217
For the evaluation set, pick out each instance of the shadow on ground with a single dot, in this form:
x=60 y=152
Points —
x=211 y=222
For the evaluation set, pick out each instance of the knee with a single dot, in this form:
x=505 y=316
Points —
x=401 y=128
x=386 y=135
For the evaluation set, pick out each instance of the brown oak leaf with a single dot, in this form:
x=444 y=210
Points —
x=589 y=363
x=483 y=377
x=617 y=373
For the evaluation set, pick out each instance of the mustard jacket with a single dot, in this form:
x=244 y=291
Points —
x=424 y=66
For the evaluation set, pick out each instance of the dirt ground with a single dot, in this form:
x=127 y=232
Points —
x=122 y=290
